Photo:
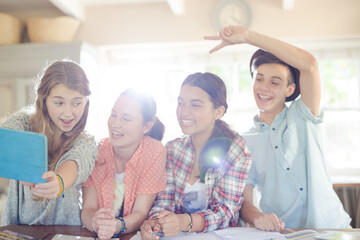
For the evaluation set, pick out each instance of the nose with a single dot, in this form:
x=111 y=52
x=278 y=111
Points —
x=264 y=86
x=68 y=112
x=183 y=110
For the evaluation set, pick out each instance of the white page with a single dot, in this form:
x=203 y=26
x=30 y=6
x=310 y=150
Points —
x=239 y=233
x=225 y=234
x=70 y=237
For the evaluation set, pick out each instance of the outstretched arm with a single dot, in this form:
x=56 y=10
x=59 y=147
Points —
x=310 y=86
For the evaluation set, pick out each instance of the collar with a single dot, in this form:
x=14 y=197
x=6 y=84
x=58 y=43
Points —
x=262 y=126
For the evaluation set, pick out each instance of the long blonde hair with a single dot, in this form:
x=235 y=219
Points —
x=73 y=77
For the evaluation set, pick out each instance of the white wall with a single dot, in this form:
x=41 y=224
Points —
x=154 y=22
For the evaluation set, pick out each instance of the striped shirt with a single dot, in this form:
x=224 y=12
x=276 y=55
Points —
x=224 y=184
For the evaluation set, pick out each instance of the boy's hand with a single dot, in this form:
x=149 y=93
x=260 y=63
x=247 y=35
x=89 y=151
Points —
x=269 y=222
x=229 y=35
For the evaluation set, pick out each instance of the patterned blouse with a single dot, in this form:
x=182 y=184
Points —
x=144 y=173
x=224 y=184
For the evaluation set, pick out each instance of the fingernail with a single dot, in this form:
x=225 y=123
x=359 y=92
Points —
x=150 y=232
x=156 y=229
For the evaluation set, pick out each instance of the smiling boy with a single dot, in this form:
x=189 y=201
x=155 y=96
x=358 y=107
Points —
x=288 y=163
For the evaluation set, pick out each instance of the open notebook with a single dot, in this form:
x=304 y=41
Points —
x=23 y=155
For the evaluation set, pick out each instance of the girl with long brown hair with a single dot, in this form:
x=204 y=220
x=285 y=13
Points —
x=61 y=111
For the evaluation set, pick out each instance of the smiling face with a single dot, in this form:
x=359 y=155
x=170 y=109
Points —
x=270 y=88
x=65 y=107
x=126 y=123
x=195 y=112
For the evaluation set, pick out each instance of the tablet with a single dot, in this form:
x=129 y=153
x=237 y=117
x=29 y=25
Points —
x=23 y=155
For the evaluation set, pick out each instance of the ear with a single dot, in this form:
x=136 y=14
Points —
x=290 y=90
x=219 y=112
x=148 y=126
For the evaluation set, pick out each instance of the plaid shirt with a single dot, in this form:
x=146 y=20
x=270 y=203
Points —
x=224 y=185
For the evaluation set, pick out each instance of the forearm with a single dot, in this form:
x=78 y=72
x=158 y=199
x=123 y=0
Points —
x=249 y=212
x=87 y=215
x=294 y=56
x=68 y=172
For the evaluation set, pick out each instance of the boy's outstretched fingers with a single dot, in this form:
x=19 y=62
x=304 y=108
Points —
x=220 y=45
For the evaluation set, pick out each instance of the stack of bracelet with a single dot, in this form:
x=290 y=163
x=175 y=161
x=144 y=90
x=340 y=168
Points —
x=62 y=186
x=190 y=222
x=123 y=227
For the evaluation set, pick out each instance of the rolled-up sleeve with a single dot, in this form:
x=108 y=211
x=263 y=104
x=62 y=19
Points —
x=83 y=153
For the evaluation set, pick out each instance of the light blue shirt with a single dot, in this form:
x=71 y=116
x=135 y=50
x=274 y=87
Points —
x=290 y=173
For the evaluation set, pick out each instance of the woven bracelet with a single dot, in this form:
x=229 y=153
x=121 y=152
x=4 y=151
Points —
x=123 y=227
x=190 y=222
x=62 y=186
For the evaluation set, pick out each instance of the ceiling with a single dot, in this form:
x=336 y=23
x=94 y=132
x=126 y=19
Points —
x=20 y=5
x=76 y=7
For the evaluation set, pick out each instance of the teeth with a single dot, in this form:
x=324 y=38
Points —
x=187 y=121
x=265 y=97
x=115 y=133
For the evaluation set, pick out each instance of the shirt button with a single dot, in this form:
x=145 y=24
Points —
x=301 y=189
x=273 y=129
x=288 y=169
x=276 y=147
x=263 y=125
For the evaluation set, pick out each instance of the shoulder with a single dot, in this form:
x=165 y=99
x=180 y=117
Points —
x=85 y=138
x=151 y=143
x=85 y=143
x=238 y=149
x=151 y=147
x=298 y=111
x=178 y=142
x=104 y=144
x=19 y=120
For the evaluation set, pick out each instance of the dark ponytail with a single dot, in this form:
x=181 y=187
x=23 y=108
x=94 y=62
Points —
x=148 y=111
x=157 y=131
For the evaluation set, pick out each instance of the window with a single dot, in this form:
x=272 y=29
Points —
x=162 y=68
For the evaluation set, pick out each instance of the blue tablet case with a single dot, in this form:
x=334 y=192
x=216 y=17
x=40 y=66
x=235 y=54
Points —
x=23 y=155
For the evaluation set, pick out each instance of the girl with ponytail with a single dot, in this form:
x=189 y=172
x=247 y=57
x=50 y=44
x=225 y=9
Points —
x=131 y=155
x=206 y=169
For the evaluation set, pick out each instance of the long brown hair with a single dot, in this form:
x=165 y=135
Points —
x=221 y=136
x=73 y=77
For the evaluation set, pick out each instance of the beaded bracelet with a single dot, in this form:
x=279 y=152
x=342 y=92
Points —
x=190 y=222
x=62 y=186
x=123 y=227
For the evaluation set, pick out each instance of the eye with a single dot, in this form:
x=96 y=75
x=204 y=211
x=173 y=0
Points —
x=275 y=83
x=258 y=79
x=127 y=119
x=59 y=103
x=77 y=104
x=196 y=105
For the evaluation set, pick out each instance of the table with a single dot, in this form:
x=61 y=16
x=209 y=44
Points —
x=48 y=232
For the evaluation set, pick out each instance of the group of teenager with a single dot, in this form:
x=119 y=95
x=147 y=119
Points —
x=199 y=182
